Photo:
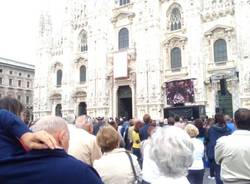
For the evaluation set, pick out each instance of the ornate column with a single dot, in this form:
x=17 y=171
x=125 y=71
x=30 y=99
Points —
x=133 y=90
x=132 y=87
x=214 y=101
x=115 y=88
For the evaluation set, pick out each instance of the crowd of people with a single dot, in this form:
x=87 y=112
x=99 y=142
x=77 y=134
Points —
x=121 y=151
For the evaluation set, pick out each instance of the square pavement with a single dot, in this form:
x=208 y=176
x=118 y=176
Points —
x=206 y=180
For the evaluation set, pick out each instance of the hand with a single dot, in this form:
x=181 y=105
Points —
x=38 y=140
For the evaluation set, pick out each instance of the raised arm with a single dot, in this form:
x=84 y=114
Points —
x=13 y=127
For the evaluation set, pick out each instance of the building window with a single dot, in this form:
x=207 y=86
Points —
x=176 y=58
x=83 y=41
x=20 y=74
x=1 y=81
x=59 y=78
x=82 y=74
x=123 y=2
x=123 y=38
x=1 y=70
x=27 y=99
x=19 y=97
x=28 y=75
x=19 y=83
x=220 y=51
x=58 y=110
x=11 y=72
x=0 y=95
x=175 y=19
x=10 y=82
x=28 y=84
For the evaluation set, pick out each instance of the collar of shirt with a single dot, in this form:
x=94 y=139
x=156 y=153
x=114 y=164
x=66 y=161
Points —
x=163 y=179
x=116 y=150
x=241 y=132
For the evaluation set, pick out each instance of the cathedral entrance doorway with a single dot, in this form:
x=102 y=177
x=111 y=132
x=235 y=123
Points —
x=125 y=102
x=82 y=108
x=224 y=99
x=225 y=103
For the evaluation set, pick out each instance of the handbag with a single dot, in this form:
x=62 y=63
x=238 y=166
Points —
x=136 y=181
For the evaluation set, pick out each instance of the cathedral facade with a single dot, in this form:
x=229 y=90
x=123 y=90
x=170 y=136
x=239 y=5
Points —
x=130 y=57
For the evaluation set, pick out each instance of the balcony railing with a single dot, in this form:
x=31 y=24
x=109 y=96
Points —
x=218 y=66
x=171 y=72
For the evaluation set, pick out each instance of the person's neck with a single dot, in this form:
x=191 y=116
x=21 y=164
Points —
x=58 y=144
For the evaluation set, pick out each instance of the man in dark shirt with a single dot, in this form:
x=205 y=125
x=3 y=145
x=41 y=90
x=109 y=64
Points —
x=144 y=130
x=48 y=166
x=98 y=125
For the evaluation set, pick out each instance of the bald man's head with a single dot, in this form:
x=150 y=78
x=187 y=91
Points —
x=85 y=122
x=57 y=127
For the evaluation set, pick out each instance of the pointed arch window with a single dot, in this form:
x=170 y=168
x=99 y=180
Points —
x=83 y=41
x=123 y=38
x=82 y=74
x=220 y=50
x=176 y=58
x=59 y=78
x=175 y=19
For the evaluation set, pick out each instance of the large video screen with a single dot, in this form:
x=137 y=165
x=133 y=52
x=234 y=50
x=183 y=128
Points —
x=180 y=92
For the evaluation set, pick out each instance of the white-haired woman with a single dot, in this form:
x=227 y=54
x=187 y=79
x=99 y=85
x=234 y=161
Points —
x=172 y=151
x=196 y=171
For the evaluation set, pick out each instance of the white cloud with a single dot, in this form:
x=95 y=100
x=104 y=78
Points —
x=19 y=27
x=19 y=23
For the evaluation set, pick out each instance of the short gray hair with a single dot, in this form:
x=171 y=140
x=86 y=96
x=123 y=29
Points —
x=172 y=151
x=51 y=124
x=83 y=120
x=70 y=118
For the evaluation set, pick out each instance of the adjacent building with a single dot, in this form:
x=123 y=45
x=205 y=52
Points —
x=16 y=80
x=130 y=57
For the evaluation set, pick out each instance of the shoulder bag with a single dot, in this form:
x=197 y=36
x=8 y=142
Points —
x=136 y=181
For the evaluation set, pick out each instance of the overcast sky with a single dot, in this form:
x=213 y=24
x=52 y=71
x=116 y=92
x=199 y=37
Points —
x=19 y=20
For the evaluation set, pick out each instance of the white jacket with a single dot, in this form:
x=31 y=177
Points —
x=197 y=155
x=166 y=180
x=114 y=167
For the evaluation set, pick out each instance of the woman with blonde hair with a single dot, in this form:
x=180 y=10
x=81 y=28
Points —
x=196 y=171
x=116 y=166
